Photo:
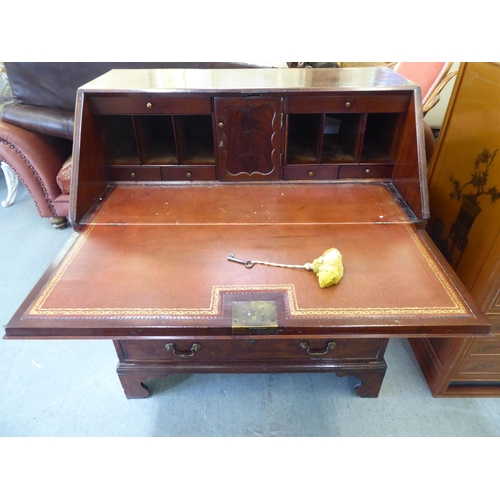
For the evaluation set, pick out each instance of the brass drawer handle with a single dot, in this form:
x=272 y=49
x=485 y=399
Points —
x=329 y=347
x=172 y=347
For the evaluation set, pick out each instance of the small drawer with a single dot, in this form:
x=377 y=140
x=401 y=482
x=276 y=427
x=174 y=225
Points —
x=239 y=349
x=365 y=171
x=480 y=364
x=349 y=103
x=137 y=174
x=149 y=105
x=487 y=347
x=310 y=172
x=188 y=173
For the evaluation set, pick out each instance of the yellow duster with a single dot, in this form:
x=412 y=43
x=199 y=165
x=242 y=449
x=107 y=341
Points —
x=328 y=268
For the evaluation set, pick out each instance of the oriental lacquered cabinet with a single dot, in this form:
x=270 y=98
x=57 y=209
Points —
x=176 y=170
x=464 y=183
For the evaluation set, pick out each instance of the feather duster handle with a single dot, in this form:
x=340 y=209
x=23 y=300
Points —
x=328 y=268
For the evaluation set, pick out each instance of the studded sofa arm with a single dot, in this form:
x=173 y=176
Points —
x=36 y=159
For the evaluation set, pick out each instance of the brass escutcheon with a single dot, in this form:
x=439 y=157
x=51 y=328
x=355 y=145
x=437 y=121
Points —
x=254 y=317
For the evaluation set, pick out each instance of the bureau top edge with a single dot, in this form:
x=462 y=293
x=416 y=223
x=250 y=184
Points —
x=249 y=80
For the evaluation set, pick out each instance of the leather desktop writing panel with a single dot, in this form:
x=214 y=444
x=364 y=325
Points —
x=170 y=266
x=242 y=203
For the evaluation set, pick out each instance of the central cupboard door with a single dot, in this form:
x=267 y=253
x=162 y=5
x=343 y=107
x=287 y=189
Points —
x=248 y=137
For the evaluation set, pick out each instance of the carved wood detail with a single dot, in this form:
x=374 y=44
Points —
x=248 y=137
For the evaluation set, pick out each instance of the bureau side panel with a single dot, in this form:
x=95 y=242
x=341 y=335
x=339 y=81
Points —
x=409 y=174
x=88 y=177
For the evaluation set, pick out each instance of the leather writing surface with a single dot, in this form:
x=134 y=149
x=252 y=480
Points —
x=177 y=268
x=172 y=271
x=265 y=203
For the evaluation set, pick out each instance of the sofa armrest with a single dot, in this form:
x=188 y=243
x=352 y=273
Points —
x=36 y=159
x=49 y=121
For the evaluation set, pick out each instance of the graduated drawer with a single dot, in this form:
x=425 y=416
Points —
x=487 y=347
x=188 y=173
x=352 y=103
x=238 y=349
x=480 y=364
x=149 y=105
x=310 y=172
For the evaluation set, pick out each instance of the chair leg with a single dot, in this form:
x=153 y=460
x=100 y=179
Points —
x=12 y=183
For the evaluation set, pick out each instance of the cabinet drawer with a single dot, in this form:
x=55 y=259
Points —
x=138 y=174
x=490 y=347
x=365 y=171
x=480 y=364
x=188 y=173
x=238 y=349
x=149 y=105
x=349 y=104
x=311 y=172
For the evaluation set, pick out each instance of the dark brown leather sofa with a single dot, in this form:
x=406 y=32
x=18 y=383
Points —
x=36 y=129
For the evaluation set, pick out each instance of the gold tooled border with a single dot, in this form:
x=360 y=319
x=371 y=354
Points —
x=214 y=310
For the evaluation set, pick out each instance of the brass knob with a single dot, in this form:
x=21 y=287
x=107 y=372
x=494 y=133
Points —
x=132 y=175
x=188 y=175
x=367 y=171
x=149 y=105
x=347 y=104
x=311 y=173
x=221 y=124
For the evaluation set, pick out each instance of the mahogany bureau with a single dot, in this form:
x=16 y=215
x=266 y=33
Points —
x=176 y=170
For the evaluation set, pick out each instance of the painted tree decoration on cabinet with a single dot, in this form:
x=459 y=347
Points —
x=469 y=194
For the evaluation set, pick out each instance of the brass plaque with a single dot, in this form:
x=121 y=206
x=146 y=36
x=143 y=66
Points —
x=254 y=317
